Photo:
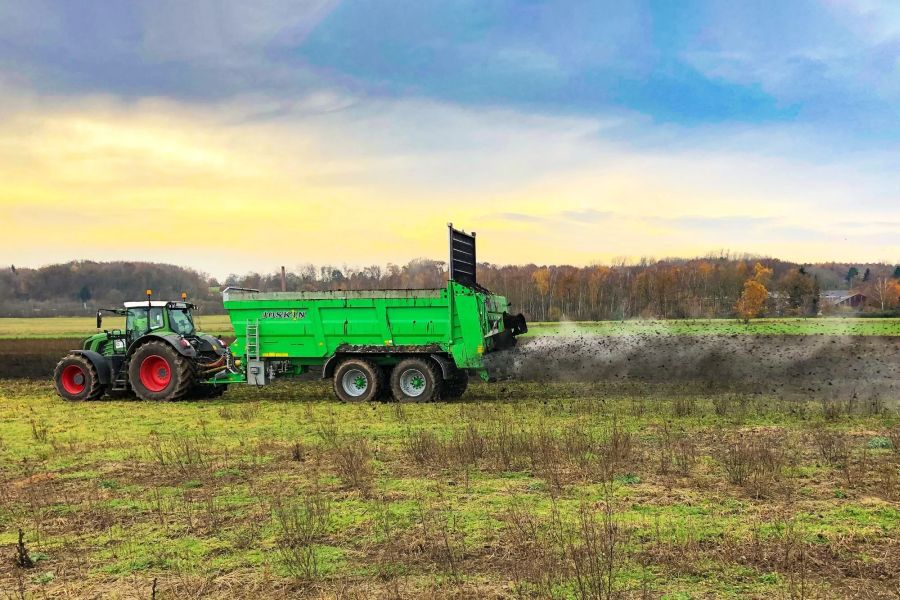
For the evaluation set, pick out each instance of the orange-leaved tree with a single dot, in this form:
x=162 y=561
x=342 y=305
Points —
x=752 y=301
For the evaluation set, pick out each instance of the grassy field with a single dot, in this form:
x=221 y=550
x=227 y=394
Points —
x=75 y=327
x=522 y=490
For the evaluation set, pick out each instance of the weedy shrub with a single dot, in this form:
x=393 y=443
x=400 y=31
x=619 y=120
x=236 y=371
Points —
x=879 y=443
x=616 y=445
x=39 y=430
x=833 y=446
x=833 y=410
x=675 y=450
x=732 y=407
x=579 y=445
x=585 y=551
x=443 y=538
x=23 y=558
x=873 y=406
x=354 y=463
x=893 y=434
x=546 y=457
x=510 y=445
x=298 y=452
x=423 y=447
x=754 y=461
x=353 y=457
x=593 y=551
x=301 y=524
x=684 y=406
x=248 y=411
x=468 y=446
x=186 y=454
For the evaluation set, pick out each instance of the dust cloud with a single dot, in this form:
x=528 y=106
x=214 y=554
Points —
x=826 y=366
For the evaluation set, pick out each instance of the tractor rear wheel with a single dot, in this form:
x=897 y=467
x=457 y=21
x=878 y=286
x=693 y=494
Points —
x=158 y=372
x=76 y=379
x=417 y=380
x=358 y=380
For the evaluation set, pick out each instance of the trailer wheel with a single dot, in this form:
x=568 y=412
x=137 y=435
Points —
x=417 y=380
x=456 y=386
x=76 y=379
x=158 y=372
x=358 y=380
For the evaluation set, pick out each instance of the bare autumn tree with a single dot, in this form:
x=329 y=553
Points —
x=541 y=279
x=886 y=292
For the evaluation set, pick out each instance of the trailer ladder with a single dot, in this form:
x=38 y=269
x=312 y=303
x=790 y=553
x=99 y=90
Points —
x=252 y=344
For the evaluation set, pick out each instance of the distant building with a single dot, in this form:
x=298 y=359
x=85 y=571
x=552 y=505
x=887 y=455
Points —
x=844 y=298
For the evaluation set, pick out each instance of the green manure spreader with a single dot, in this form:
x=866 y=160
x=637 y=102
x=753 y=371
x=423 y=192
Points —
x=409 y=345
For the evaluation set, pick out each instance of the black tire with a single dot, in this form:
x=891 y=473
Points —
x=456 y=386
x=76 y=379
x=158 y=372
x=204 y=391
x=358 y=380
x=417 y=380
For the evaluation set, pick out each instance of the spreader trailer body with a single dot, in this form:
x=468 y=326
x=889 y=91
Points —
x=411 y=345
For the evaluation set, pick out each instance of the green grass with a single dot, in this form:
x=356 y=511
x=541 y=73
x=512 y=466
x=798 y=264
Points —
x=783 y=326
x=115 y=494
x=79 y=327
x=76 y=327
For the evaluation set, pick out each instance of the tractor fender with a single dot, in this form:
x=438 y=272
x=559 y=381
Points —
x=214 y=344
x=100 y=363
x=448 y=367
x=173 y=339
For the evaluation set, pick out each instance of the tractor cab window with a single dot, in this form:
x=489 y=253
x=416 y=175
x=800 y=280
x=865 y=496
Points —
x=181 y=322
x=137 y=322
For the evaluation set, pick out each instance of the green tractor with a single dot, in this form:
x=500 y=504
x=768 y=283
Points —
x=159 y=356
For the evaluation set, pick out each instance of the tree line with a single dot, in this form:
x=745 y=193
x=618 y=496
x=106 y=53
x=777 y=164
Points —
x=708 y=287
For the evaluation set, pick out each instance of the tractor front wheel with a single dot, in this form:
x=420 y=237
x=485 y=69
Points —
x=158 y=372
x=76 y=379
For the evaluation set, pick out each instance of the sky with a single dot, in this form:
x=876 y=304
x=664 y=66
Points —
x=233 y=136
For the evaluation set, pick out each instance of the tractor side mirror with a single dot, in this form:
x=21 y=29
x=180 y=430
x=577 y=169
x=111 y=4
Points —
x=99 y=319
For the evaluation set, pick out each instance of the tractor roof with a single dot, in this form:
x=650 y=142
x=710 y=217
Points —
x=157 y=304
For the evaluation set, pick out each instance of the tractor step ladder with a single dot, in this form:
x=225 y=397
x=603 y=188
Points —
x=252 y=343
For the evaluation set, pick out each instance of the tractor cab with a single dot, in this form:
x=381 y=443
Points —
x=142 y=318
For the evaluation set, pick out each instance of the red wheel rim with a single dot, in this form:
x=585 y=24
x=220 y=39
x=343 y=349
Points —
x=155 y=373
x=73 y=379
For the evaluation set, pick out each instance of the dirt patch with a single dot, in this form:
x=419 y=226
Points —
x=830 y=366
x=33 y=359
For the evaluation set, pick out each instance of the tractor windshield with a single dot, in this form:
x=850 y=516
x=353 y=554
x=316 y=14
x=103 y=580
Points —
x=137 y=322
x=180 y=320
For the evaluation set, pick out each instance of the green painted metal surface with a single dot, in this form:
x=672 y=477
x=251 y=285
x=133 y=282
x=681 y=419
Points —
x=306 y=329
